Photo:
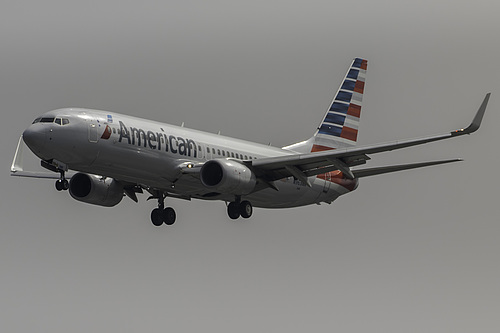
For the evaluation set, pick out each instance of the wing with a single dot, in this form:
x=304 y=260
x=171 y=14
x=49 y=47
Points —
x=302 y=166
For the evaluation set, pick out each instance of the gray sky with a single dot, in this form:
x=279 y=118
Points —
x=413 y=252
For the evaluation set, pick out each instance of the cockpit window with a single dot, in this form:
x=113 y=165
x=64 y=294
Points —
x=58 y=121
x=47 y=120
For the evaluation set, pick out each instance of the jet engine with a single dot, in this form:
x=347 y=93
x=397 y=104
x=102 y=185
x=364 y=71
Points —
x=95 y=190
x=227 y=176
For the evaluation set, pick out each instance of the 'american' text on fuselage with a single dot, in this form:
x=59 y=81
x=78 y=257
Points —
x=139 y=137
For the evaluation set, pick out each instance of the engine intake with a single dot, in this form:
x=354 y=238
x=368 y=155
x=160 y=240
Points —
x=227 y=176
x=95 y=190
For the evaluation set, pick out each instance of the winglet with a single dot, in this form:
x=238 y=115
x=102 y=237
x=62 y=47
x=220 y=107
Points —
x=17 y=163
x=476 y=122
x=17 y=169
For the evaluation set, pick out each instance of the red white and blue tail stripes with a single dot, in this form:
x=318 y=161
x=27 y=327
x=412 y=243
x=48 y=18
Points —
x=339 y=127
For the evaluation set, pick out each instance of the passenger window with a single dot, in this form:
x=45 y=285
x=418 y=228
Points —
x=237 y=155
x=213 y=151
x=199 y=148
x=208 y=150
x=58 y=121
x=246 y=157
x=114 y=131
x=232 y=154
x=218 y=152
x=223 y=153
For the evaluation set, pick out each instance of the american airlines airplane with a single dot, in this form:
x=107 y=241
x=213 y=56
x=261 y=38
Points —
x=107 y=156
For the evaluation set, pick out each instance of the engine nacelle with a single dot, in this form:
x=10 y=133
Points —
x=227 y=176
x=95 y=190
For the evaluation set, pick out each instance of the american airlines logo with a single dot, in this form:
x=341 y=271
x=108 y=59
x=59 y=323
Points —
x=107 y=133
x=157 y=140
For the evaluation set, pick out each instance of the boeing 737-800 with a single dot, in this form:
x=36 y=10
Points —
x=107 y=156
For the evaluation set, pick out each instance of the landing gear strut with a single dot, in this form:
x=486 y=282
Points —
x=239 y=208
x=56 y=166
x=161 y=214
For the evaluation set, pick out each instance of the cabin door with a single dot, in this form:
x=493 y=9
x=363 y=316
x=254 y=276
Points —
x=93 y=137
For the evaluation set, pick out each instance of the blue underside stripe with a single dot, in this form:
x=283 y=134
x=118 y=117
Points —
x=330 y=130
x=343 y=96
x=335 y=119
x=348 y=85
x=339 y=107
x=353 y=74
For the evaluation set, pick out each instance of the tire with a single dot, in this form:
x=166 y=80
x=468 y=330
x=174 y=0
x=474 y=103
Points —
x=233 y=210
x=156 y=217
x=246 y=209
x=169 y=216
x=59 y=185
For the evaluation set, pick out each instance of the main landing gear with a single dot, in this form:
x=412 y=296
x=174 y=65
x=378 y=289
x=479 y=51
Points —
x=236 y=209
x=161 y=214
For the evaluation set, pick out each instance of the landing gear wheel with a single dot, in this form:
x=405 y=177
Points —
x=169 y=216
x=157 y=217
x=62 y=184
x=246 y=209
x=233 y=210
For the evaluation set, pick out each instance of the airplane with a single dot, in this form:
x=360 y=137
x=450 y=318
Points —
x=102 y=156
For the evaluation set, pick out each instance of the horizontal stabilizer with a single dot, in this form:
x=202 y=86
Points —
x=393 y=168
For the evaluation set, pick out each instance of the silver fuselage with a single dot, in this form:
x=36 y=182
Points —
x=152 y=154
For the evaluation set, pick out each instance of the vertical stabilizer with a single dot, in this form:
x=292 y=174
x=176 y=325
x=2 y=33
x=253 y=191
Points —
x=339 y=128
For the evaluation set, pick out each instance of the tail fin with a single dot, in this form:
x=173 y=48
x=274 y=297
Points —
x=339 y=128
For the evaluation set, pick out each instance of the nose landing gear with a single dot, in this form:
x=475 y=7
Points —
x=62 y=184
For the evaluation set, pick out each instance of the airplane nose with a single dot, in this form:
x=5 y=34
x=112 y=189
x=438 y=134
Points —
x=34 y=138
